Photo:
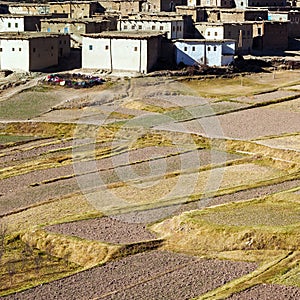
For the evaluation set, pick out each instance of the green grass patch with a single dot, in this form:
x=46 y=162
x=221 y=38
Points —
x=11 y=139
x=28 y=104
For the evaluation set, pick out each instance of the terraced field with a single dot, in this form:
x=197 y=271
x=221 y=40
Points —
x=151 y=189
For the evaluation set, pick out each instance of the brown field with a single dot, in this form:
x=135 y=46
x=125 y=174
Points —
x=98 y=183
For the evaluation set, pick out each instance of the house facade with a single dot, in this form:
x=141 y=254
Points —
x=122 y=51
x=269 y=36
x=241 y=32
x=16 y=23
x=175 y=26
x=198 y=14
x=293 y=16
x=31 y=51
x=28 y=8
x=204 y=52
x=244 y=4
x=77 y=27
x=75 y=9
x=235 y=15
x=211 y=3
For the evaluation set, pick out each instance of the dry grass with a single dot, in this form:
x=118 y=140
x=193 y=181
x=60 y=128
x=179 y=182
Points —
x=23 y=267
x=82 y=252
x=57 y=210
x=222 y=228
x=242 y=85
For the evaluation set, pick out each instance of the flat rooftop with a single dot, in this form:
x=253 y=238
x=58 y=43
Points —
x=125 y=34
x=27 y=35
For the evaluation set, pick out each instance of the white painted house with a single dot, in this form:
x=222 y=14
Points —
x=16 y=23
x=172 y=24
x=204 y=52
x=122 y=51
x=32 y=51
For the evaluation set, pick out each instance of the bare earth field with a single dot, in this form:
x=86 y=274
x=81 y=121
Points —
x=154 y=275
x=268 y=291
x=189 y=187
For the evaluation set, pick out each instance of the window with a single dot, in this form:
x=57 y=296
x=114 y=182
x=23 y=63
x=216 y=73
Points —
x=55 y=11
x=259 y=31
x=153 y=27
x=173 y=28
x=179 y=28
x=9 y=24
x=132 y=26
x=48 y=29
x=161 y=28
x=140 y=27
x=20 y=49
x=215 y=48
x=125 y=26
x=51 y=47
x=90 y=47
x=106 y=47
x=60 y=42
x=1 y=50
x=185 y=48
x=33 y=50
x=216 y=33
x=135 y=48
x=242 y=3
x=16 y=25
x=208 y=48
x=193 y=48
x=13 y=49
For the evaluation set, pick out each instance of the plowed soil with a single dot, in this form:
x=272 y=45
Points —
x=152 y=275
x=268 y=292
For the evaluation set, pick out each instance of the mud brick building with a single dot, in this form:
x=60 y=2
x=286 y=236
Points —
x=106 y=51
x=176 y=26
x=235 y=15
x=293 y=16
x=204 y=52
x=32 y=51
x=241 y=32
x=270 y=37
x=244 y=4
x=211 y=3
x=9 y=22
x=75 y=9
x=28 y=8
x=198 y=14
x=76 y=27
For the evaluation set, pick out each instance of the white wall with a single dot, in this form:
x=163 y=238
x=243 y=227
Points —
x=209 y=53
x=173 y=28
x=214 y=33
x=189 y=53
x=114 y=54
x=94 y=53
x=213 y=54
x=17 y=59
x=11 y=24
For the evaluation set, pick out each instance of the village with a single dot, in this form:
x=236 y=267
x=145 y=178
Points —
x=140 y=36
